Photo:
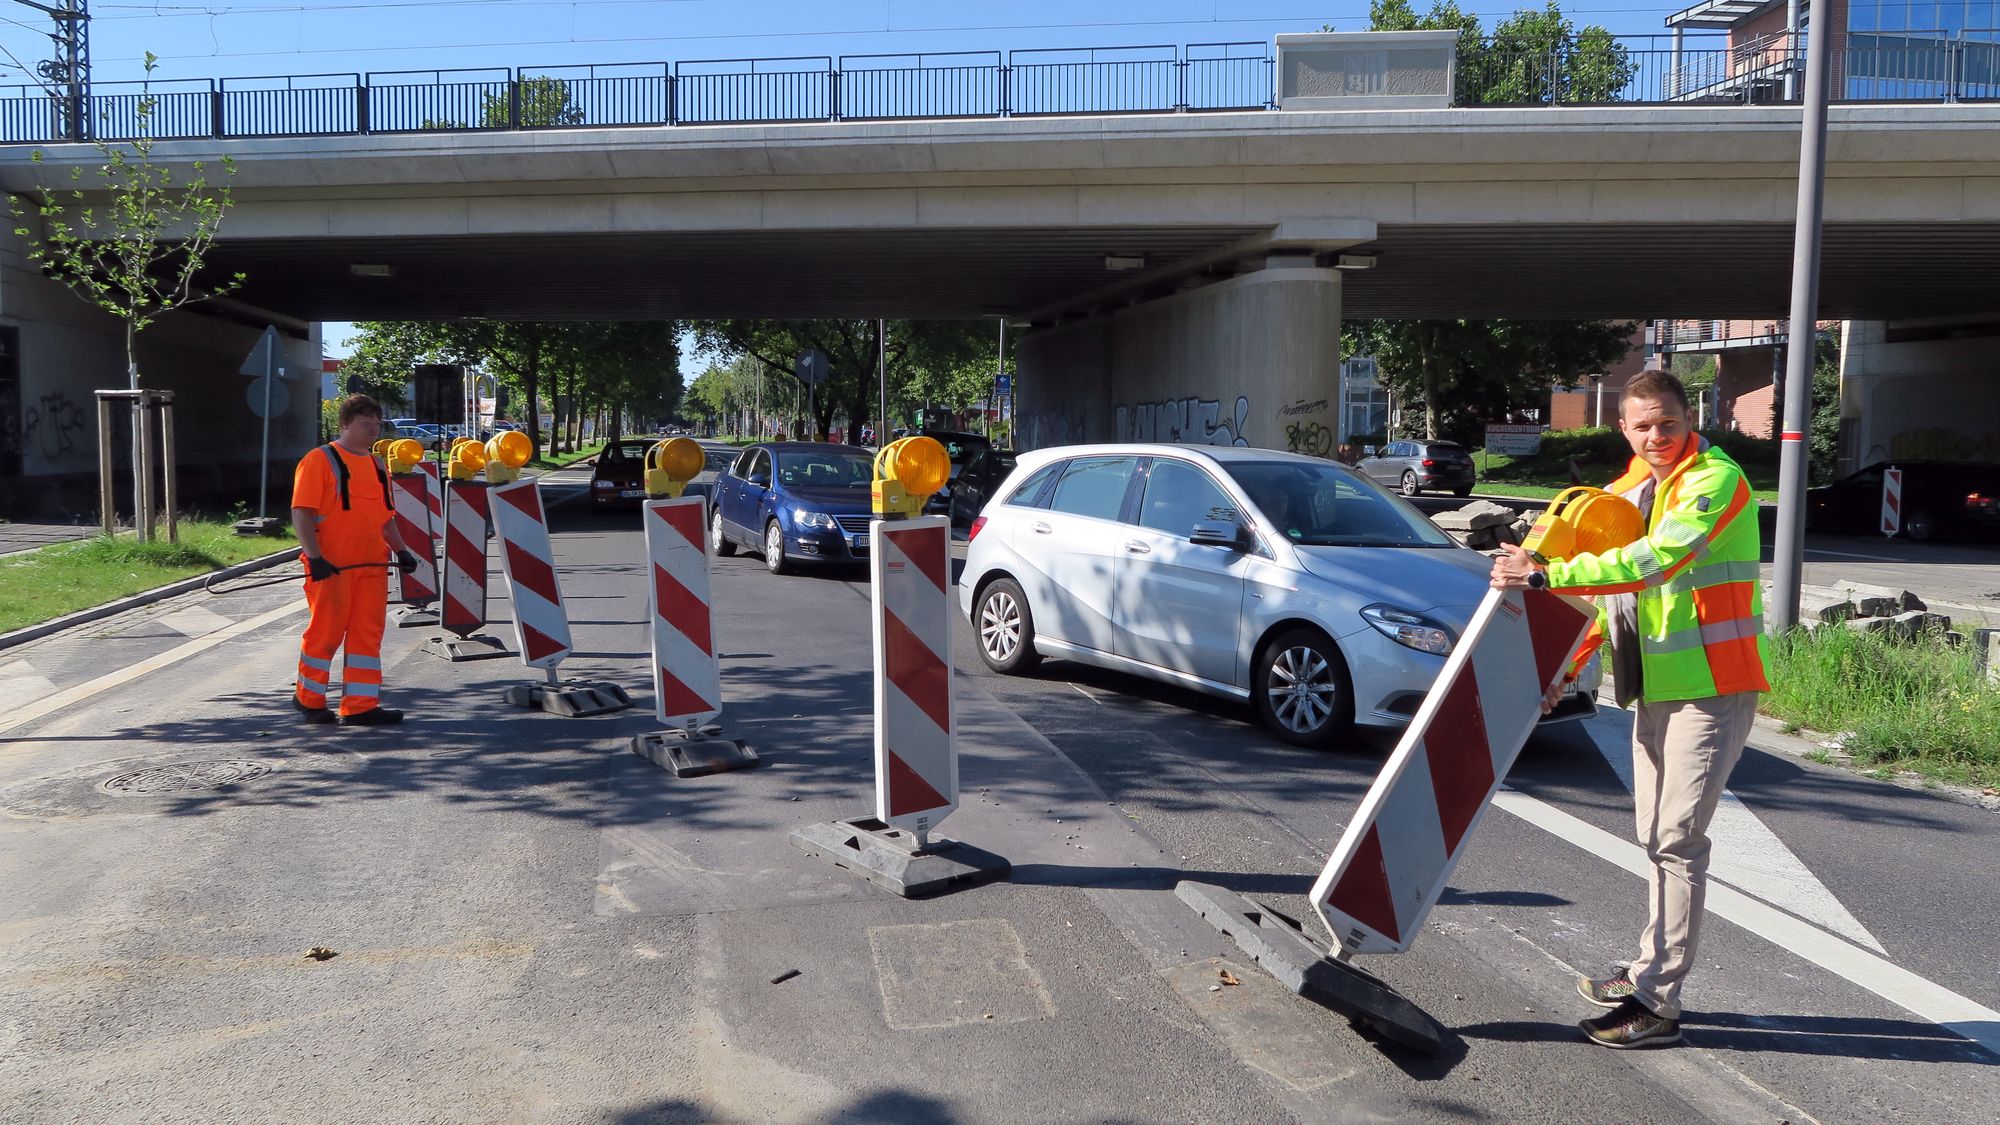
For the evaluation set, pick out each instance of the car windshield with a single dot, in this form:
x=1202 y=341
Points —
x=619 y=451
x=1315 y=504
x=825 y=469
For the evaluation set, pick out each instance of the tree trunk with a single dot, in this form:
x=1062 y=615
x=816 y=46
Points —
x=531 y=387
x=1426 y=342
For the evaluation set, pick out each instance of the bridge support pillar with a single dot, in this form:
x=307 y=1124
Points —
x=1252 y=359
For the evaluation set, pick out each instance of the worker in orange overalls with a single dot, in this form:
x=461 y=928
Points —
x=341 y=513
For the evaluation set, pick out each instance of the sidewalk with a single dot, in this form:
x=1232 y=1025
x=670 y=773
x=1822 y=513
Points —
x=32 y=534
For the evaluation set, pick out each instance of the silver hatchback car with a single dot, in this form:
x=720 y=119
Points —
x=1291 y=582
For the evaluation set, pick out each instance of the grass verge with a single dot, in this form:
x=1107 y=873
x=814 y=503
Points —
x=1601 y=455
x=66 y=577
x=564 y=460
x=1901 y=706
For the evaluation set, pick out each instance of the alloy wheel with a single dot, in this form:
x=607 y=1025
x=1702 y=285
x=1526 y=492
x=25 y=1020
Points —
x=1302 y=689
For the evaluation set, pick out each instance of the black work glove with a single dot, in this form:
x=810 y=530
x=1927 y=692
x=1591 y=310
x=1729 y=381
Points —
x=406 y=562
x=318 y=569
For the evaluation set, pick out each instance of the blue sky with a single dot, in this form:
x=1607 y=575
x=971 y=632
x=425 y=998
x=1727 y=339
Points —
x=199 y=39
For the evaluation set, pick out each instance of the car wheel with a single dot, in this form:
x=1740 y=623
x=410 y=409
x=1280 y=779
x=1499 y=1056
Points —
x=774 y=549
x=1410 y=483
x=1006 y=629
x=1302 y=690
x=1462 y=493
x=1919 y=526
x=718 y=541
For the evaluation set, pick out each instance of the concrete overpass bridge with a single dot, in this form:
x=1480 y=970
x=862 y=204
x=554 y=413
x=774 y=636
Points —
x=1155 y=258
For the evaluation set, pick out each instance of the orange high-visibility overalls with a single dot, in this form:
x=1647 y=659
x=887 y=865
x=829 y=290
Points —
x=350 y=495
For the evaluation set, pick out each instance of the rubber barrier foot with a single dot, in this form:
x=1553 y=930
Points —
x=572 y=699
x=478 y=646
x=1278 y=943
x=889 y=858
x=693 y=756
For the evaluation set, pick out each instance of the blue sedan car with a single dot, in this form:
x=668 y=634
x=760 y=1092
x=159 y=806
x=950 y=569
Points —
x=797 y=502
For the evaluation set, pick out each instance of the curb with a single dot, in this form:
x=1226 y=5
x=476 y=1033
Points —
x=161 y=593
x=1771 y=737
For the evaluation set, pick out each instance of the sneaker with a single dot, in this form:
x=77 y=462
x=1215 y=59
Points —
x=1631 y=1025
x=313 y=715
x=373 y=717
x=1606 y=992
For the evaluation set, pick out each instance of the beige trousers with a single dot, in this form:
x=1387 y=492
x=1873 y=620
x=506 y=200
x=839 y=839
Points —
x=1681 y=757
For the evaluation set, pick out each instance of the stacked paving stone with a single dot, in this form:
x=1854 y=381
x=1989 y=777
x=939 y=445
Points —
x=1483 y=525
x=1896 y=614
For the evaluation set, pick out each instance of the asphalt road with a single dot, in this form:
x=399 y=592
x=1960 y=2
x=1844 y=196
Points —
x=533 y=924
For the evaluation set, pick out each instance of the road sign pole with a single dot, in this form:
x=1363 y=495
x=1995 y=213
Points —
x=264 y=466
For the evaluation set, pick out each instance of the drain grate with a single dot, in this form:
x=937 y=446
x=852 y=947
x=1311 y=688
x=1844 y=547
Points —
x=187 y=777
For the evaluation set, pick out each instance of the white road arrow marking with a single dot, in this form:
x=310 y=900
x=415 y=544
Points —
x=1748 y=856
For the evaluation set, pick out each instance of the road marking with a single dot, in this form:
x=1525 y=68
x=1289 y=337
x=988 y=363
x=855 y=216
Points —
x=1086 y=695
x=1878 y=975
x=20 y=680
x=195 y=621
x=1751 y=857
x=106 y=682
x=1853 y=555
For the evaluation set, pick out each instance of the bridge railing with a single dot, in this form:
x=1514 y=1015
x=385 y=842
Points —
x=1497 y=71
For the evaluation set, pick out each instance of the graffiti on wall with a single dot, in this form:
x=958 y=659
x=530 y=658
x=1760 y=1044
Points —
x=54 y=426
x=1938 y=443
x=1041 y=430
x=1305 y=429
x=1189 y=421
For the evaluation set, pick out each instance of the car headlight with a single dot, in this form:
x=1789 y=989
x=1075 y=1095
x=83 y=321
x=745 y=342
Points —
x=1409 y=629
x=807 y=518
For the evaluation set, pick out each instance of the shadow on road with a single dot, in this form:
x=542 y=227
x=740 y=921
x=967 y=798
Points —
x=1833 y=1036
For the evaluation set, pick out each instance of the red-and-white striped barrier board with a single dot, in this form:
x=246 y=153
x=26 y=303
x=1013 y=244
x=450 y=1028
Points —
x=413 y=523
x=541 y=624
x=434 y=496
x=1892 y=501
x=687 y=682
x=1398 y=852
x=464 y=609
x=916 y=754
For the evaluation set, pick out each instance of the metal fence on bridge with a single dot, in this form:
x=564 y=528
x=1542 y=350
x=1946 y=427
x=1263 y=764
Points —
x=1200 y=77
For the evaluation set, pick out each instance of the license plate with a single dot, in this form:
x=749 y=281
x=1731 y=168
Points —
x=631 y=493
x=858 y=543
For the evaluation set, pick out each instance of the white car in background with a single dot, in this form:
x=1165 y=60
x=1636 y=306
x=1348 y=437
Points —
x=1290 y=582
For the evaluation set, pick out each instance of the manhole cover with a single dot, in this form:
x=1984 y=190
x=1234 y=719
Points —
x=188 y=776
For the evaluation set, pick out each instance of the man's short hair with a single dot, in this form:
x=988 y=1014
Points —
x=1654 y=384
x=354 y=406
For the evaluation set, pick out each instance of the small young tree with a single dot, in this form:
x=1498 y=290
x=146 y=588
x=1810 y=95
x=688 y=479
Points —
x=135 y=253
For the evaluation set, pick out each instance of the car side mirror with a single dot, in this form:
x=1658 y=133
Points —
x=1217 y=533
x=760 y=479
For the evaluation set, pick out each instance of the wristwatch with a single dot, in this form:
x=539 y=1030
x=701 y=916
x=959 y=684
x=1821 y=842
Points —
x=1538 y=580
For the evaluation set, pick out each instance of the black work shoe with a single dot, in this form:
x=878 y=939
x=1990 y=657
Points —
x=1606 y=992
x=313 y=715
x=373 y=717
x=1631 y=1025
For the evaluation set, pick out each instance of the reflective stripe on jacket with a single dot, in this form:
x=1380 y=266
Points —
x=1694 y=577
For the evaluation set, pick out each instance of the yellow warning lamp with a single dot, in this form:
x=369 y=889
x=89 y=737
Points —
x=404 y=454
x=907 y=472
x=381 y=447
x=1584 y=521
x=670 y=464
x=467 y=458
x=506 y=453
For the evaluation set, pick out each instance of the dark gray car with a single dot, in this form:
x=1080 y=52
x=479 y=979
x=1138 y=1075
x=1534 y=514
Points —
x=1421 y=466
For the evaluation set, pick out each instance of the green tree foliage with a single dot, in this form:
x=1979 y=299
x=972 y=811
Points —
x=1823 y=434
x=609 y=367
x=544 y=102
x=1532 y=57
x=1462 y=373
x=923 y=356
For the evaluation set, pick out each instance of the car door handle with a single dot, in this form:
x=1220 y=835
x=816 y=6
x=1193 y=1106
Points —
x=1138 y=547
x=1040 y=528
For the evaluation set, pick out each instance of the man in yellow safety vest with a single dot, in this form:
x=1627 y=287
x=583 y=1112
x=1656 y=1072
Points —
x=1683 y=611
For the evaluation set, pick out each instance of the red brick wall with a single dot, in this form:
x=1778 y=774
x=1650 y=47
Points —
x=1743 y=385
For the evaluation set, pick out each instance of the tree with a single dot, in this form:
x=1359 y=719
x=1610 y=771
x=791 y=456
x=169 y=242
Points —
x=1465 y=372
x=543 y=102
x=1532 y=57
x=118 y=255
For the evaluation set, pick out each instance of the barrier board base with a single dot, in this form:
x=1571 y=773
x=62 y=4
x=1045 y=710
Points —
x=1279 y=944
x=703 y=753
x=889 y=858
x=571 y=699
x=478 y=646
x=417 y=617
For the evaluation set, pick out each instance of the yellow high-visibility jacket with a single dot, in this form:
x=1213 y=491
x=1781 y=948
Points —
x=1694 y=577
